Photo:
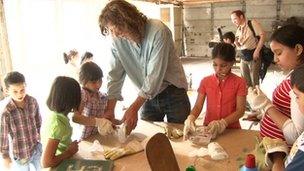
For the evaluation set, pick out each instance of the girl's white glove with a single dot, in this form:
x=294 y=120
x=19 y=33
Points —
x=189 y=126
x=104 y=126
x=258 y=100
x=217 y=127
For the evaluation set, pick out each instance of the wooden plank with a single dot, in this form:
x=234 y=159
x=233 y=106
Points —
x=160 y=154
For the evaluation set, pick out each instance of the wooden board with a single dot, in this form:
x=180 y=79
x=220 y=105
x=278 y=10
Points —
x=160 y=154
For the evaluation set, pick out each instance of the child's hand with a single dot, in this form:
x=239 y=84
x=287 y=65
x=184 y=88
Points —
x=278 y=161
x=73 y=148
x=7 y=162
x=217 y=127
x=189 y=126
x=105 y=126
x=258 y=100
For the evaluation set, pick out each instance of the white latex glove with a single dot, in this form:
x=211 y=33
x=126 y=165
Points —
x=104 y=126
x=131 y=148
x=258 y=100
x=189 y=126
x=271 y=146
x=217 y=127
x=173 y=133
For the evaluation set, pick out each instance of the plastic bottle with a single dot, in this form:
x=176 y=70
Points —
x=249 y=163
x=190 y=168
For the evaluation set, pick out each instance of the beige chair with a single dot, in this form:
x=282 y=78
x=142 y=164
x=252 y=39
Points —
x=160 y=154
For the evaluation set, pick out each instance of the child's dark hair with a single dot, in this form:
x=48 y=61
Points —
x=90 y=71
x=67 y=56
x=13 y=78
x=224 y=51
x=229 y=35
x=65 y=95
x=297 y=78
x=290 y=36
x=86 y=55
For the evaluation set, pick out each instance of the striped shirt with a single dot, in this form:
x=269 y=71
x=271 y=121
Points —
x=23 y=125
x=281 y=100
x=94 y=106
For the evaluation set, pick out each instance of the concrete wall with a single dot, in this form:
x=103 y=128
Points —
x=201 y=22
x=172 y=16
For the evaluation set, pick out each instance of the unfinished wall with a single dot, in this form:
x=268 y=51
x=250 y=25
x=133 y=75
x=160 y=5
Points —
x=201 y=22
x=5 y=57
x=172 y=16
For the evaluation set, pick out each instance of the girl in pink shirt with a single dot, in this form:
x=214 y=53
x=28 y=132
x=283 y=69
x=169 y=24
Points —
x=225 y=93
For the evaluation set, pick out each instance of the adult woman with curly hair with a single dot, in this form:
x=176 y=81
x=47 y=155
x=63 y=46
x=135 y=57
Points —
x=143 y=49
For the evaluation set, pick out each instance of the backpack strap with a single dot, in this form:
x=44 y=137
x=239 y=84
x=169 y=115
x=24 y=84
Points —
x=251 y=28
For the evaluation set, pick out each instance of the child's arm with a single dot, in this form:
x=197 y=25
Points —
x=278 y=161
x=7 y=161
x=291 y=127
x=83 y=120
x=189 y=124
x=239 y=112
x=110 y=109
x=199 y=103
x=4 y=142
x=49 y=159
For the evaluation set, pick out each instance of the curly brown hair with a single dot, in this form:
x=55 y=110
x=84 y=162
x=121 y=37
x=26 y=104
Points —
x=125 y=17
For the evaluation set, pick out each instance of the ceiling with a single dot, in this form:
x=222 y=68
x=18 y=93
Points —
x=187 y=2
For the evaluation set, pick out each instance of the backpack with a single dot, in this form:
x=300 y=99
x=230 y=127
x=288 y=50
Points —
x=266 y=55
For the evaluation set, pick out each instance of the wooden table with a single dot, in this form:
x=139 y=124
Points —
x=236 y=142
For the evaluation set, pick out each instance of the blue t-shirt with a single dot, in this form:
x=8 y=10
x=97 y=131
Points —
x=295 y=159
